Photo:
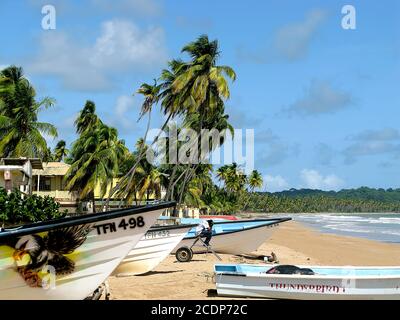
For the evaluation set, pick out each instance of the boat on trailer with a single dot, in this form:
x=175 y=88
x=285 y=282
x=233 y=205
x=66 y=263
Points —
x=151 y=250
x=327 y=282
x=234 y=237
x=69 y=258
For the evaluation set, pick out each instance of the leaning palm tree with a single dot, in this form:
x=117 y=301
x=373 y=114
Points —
x=60 y=151
x=87 y=118
x=21 y=134
x=202 y=86
x=255 y=180
x=95 y=161
x=197 y=86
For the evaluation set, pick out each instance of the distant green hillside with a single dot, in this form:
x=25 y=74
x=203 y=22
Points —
x=360 y=193
x=363 y=199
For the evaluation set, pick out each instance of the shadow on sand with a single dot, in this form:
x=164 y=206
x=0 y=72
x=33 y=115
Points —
x=212 y=293
x=157 y=272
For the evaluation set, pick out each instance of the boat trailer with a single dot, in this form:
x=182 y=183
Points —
x=185 y=253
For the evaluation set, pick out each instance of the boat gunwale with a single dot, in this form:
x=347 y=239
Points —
x=169 y=227
x=299 y=277
x=317 y=276
x=250 y=220
x=81 y=219
x=279 y=220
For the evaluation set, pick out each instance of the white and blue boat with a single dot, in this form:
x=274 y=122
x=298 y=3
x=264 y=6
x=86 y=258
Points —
x=233 y=237
x=327 y=282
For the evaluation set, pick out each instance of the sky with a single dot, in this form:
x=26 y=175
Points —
x=324 y=101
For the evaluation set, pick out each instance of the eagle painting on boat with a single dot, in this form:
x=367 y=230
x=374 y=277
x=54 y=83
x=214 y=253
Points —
x=33 y=253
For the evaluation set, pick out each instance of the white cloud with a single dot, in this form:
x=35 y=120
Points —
x=122 y=44
x=373 y=142
x=312 y=179
x=275 y=183
x=123 y=104
x=291 y=42
x=271 y=149
x=385 y=134
x=123 y=116
x=121 y=47
x=320 y=98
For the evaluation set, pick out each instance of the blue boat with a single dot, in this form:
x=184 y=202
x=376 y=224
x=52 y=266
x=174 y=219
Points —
x=234 y=237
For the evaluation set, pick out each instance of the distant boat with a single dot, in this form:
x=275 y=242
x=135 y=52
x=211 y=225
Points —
x=328 y=283
x=152 y=249
x=220 y=217
x=234 y=237
x=69 y=258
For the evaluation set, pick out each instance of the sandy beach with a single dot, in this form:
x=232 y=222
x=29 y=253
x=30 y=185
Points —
x=292 y=242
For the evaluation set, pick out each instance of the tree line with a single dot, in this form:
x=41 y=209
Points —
x=362 y=199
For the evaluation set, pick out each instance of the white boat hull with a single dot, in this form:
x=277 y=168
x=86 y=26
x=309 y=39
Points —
x=243 y=241
x=150 y=251
x=94 y=261
x=309 y=287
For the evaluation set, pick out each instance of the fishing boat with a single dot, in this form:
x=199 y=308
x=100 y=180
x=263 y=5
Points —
x=326 y=283
x=151 y=250
x=234 y=237
x=69 y=258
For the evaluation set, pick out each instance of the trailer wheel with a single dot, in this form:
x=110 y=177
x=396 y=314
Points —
x=184 y=254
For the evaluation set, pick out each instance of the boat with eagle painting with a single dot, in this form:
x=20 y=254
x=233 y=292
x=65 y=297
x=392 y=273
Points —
x=152 y=249
x=69 y=258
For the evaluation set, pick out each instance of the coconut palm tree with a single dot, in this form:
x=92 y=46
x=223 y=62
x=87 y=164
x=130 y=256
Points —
x=21 y=134
x=255 y=180
x=202 y=86
x=60 y=151
x=87 y=118
x=234 y=179
x=197 y=86
x=95 y=158
x=146 y=180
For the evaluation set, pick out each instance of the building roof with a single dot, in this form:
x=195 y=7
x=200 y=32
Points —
x=35 y=162
x=52 y=169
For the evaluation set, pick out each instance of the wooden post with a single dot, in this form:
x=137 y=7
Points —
x=38 y=182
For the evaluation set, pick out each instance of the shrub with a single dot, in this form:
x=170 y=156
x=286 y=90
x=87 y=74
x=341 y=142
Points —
x=15 y=209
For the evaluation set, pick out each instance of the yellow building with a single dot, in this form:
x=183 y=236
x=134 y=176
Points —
x=49 y=181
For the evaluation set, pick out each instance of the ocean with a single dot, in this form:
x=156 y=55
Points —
x=374 y=226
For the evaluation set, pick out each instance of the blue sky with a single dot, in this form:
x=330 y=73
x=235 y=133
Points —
x=324 y=101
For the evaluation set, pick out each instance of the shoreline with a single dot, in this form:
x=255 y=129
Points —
x=382 y=227
x=292 y=242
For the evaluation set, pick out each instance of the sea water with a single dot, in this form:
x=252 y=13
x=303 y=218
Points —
x=375 y=226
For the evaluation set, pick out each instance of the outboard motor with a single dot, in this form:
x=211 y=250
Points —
x=290 y=269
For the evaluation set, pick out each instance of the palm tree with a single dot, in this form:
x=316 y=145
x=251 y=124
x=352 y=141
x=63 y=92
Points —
x=60 y=151
x=95 y=158
x=255 y=180
x=202 y=86
x=234 y=179
x=21 y=133
x=146 y=179
x=197 y=86
x=87 y=118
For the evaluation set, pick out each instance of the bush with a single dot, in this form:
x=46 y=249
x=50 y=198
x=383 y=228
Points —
x=15 y=209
